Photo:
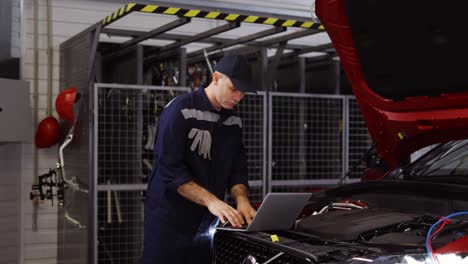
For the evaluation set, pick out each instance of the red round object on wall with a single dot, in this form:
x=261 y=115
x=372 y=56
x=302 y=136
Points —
x=64 y=104
x=48 y=133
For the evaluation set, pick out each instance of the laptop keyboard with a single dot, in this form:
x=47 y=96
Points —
x=244 y=226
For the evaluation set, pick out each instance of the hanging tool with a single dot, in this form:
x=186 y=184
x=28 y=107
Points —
x=109 y=205
x=151 y=130
x=43 y=190
x=117 y=207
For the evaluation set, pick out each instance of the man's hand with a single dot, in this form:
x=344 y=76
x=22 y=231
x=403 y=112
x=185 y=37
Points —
x=225 y=212
x=246 y=210
x=239 y=192
x=201 y=196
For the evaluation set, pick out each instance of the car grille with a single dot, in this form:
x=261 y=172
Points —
x=234 y=248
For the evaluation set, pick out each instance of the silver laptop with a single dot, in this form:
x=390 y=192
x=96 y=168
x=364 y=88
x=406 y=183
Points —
x=278 y=211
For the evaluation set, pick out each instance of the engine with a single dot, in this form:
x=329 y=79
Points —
x=385 y=229
x=378 y=226
x=337 y=233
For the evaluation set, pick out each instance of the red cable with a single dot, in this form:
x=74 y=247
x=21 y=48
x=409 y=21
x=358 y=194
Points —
x=434 y=234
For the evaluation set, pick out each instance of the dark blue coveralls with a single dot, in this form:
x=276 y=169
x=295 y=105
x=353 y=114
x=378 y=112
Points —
x=194 y=142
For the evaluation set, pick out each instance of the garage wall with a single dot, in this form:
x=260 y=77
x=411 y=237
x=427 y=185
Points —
x=69 y=17
x=15 y=28
x=10 y=197
x=10 y=174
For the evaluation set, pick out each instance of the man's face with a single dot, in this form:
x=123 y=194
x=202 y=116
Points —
x=226 y=94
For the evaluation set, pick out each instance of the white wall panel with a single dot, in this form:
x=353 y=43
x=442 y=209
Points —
x=42 y=261
x=35 y=252
x=41 y=237
x=10 y=200
x=28 y=72
x=15 y=29
x=45 y=222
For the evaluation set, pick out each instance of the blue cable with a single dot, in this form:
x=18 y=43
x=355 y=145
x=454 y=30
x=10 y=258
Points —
x=436 y=224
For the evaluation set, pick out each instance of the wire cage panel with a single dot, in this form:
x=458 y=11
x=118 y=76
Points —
x=127 y=120
x=125 y=126
x=306 y=152
x=252 y=111
x=306 y=138
x=359 y=140
x=120 y=226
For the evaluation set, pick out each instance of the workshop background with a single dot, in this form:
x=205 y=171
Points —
x=301 y=135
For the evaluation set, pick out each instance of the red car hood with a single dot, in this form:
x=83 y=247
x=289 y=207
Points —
x=407 y=62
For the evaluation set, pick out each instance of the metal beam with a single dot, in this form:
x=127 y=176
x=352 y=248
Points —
x=318 y=61
x=300 y=49
x=294 y=35
x=241 y=40
x=218 y=14
x=241 y=50
x=181 y=37
x=312 y=49
x=216 y=6
x=163 y=36
x=92 y=56
x=273 y=67
x=252 y=49
x=336 y=75
x=202 y=35
x=162 y=52
x=147 y=35
x=182 y=67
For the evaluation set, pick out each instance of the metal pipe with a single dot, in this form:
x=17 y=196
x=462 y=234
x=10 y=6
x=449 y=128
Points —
x=208 y=61
x=72 y=183
x=189 y=39
x=147 y=35
x=36 y=114
x=49 y=60
x=241 y=40
x=73 y=221
x=165 y=52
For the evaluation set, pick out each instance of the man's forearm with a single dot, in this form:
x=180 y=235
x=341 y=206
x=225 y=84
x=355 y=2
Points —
x=196 y=193
x=240 y=193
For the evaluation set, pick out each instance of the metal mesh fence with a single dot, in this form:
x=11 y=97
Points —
x=306 y=152
x=359 y=140
x=126 y=126
x=252 y=112
x=306 y=143
x=120 y=226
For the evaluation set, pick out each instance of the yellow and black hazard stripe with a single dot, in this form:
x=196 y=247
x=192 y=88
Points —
x=231 y=17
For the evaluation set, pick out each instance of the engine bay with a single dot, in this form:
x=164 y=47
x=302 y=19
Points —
x=383 y=222
x=387 y=229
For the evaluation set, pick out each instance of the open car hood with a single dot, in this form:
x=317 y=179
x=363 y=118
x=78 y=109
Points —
x=407 y=62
